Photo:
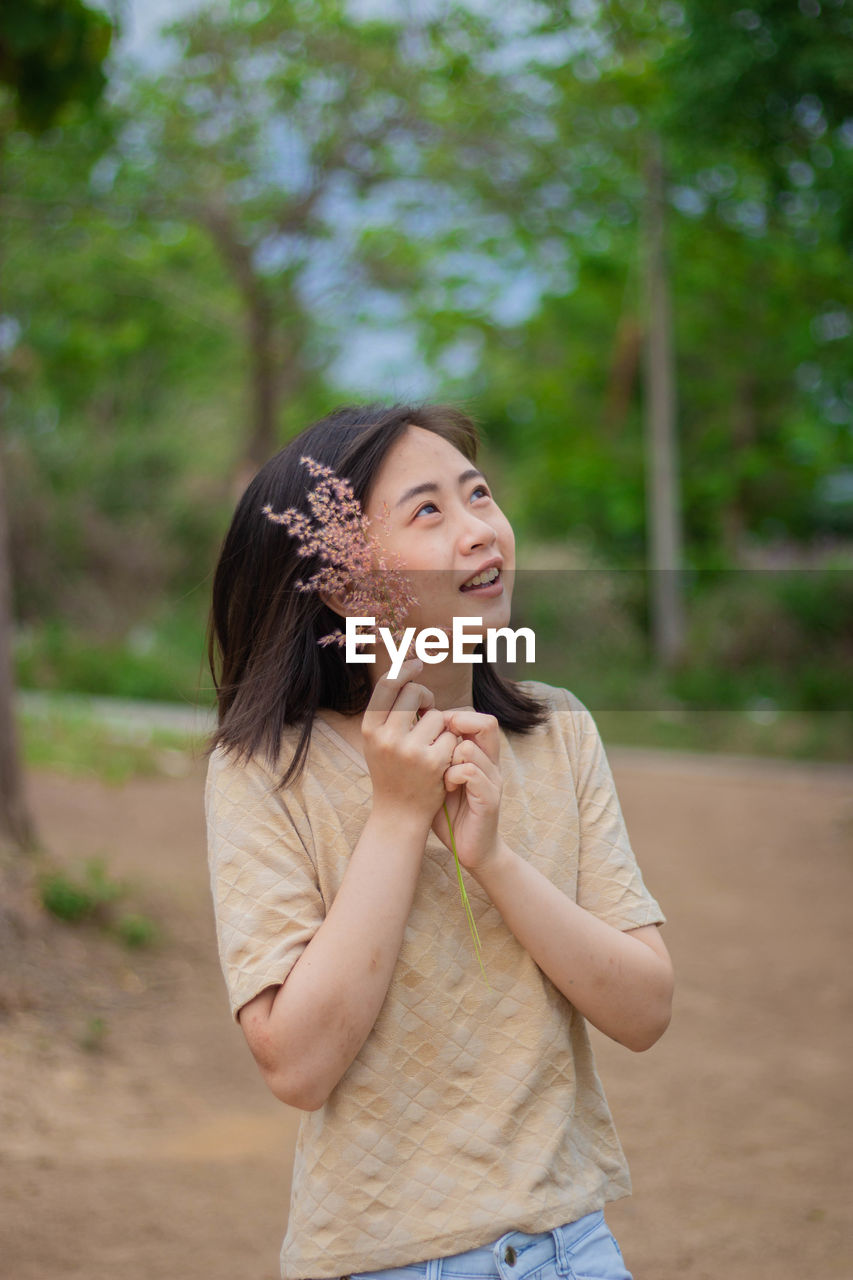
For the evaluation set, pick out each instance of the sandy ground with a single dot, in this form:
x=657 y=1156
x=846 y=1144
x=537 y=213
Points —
x=155 y=1153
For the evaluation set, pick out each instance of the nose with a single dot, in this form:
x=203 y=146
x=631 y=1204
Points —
x=476 y=532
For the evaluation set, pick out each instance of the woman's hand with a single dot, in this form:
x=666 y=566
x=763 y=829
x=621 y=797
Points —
x=407 y=757
x=474 y=787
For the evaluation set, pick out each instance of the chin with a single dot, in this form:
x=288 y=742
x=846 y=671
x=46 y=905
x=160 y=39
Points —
x=492 y=618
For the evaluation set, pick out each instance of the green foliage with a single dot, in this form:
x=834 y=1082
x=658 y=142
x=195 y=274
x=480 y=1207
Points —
x=67 y=901
x=779 y=639
x=161 y=659
x=51 y=54
x=821 y=603
x=71 y=738
x=819 y=736
x=136 y=931
x=772 y=640
x=761 y=284
x=772 y=79
x=301 y=175
x=121 y=399
x=88 y=895
x=84 y=895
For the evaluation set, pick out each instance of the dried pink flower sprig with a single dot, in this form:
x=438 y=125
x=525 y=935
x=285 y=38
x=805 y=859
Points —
x=339 y=533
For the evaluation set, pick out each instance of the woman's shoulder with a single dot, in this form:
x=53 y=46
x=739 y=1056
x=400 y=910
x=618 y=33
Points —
x=559 y=700
x=297 y=767
x=224 y=759
x=230 y=765
x=565 y=725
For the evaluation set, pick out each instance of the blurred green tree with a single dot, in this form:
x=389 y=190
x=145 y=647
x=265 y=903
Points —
x=51 y=55
x=763 y=300
x=343 y=166
x=772 y=80
x=120 y=369
x=303 y=171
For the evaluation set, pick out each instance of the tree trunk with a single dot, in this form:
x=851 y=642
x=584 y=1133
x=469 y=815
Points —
x=624 y=371
x=15 y=822
x=263 y=398
x=662 y=485
x=744 y=434
x=262 y=365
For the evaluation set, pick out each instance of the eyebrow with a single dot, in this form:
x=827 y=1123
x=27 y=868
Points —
x=429 y=486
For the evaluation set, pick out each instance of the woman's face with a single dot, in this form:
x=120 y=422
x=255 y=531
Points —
x=445 y=526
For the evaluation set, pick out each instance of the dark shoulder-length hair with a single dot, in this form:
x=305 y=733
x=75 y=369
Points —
x=268 y=668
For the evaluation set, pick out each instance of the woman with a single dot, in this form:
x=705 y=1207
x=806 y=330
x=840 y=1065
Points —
x=452 y=1126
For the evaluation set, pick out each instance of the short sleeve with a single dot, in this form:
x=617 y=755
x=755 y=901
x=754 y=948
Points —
x=610 y=884
x=266 y=898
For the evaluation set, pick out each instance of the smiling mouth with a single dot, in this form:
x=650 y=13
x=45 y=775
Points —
x=483 y=586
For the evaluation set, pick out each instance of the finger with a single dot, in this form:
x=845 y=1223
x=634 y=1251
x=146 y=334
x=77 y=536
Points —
x=467 y=720
x=412 y=700
x=385 y=692
x=470 y=752
x=467 y=775
x=430 y=726
x=449 y=783
x=476 y=725
x=443 y=747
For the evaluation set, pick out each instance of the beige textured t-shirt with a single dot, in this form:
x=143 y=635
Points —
x=470 y=1110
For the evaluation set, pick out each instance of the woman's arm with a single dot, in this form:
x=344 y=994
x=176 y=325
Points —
x=620 y=980
x=305 y=1033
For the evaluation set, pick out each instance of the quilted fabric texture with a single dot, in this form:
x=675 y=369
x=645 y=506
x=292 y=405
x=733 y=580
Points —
x=470 y=1110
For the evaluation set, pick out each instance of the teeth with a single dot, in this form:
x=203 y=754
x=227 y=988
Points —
x=488 y=575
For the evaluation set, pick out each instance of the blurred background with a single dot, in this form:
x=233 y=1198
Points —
x=616 y=232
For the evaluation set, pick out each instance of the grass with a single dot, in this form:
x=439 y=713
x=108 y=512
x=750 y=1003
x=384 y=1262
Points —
x=816 y=735
x=68 y=736
x=88 y=894
x=163 y=661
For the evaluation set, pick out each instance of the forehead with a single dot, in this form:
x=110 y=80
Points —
x=420 y=453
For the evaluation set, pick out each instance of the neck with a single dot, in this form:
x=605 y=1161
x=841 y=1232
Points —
x=451 y=683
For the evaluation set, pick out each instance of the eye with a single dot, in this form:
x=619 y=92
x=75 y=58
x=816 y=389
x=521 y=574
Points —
x=480 y=488
x=424 y=507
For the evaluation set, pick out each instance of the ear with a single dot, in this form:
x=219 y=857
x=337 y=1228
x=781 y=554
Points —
x=335 y=601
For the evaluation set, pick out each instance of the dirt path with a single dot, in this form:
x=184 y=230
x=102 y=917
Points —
x=159 y=1155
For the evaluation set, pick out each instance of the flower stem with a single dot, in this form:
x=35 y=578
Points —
x=472 y=924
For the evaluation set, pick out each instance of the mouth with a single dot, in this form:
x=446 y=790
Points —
x=487 y=583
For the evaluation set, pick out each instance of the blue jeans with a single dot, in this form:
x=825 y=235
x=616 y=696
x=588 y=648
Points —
x=582 y=1250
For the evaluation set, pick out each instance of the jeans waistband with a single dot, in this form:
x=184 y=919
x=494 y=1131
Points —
x=513 y=1256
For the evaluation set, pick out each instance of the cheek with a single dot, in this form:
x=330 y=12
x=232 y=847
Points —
x=506 y=533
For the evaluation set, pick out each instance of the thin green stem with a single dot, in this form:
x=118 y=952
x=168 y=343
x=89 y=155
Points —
x=472 y=924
